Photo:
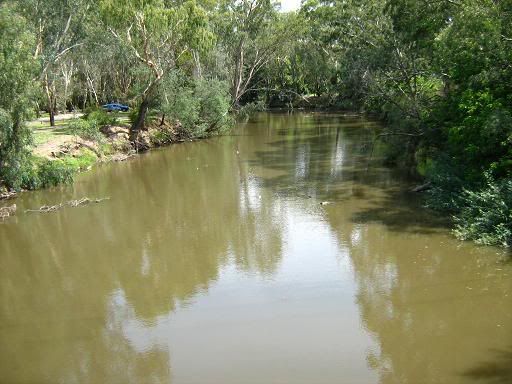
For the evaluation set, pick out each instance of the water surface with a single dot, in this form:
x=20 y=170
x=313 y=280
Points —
x=215 y=262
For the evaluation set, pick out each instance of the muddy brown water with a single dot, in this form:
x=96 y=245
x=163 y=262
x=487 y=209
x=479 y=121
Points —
x=215 y=262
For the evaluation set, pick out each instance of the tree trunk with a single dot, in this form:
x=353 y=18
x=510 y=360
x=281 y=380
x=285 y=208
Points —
x=138 y=124
x=52 y=116
x=50 y=96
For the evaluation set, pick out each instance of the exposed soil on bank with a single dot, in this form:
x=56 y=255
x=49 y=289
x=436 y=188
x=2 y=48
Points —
x=114 y=146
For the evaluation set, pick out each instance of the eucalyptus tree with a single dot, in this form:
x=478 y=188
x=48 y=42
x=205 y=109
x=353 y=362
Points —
x=351 y=36
x=160 y=35
x=105 y=71
x=303 y=67
x=17 y=69
x=58 y=26
x=251 y=32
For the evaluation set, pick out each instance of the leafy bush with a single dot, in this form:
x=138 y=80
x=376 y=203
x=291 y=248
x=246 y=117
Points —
x=85 y=159
x=248 y=109
x=486 y=214
x=200 y=106
x=447 y=184
x=54 y=172
x=151 y=114
x=17 y=68
x=86 y=129
x=41 y=173
x=161 y=137
x=481 y=135
x=100 y=117
x=214 y=105
x=16 y=165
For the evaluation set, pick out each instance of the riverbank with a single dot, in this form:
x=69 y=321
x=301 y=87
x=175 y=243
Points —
x=61 y=152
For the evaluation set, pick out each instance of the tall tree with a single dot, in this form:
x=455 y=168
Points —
x=17 y=68
x=160 y=35
x=58 y=28
x=252 y=32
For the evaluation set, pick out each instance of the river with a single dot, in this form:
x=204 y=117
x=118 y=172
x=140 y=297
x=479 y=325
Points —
x=278 y=254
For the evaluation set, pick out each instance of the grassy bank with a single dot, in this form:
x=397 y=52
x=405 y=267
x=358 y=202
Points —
x=76 y=144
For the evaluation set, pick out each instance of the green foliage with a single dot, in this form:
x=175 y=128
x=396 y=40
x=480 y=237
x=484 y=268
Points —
x=200 y=106
x=100 y=117
x=88 y=130
x=20 y=172
x=214 y=104
x=35 y=173
x=160 y=35
x=54 y=172
x=486 y=214
x=82 y=161
x=481 y=137
x=161 y=137
x=252 y=34
x=88 y=127
x=447 y=184
x=249 y=109
x=43 y=173
x=17 y=68
x=151 y=114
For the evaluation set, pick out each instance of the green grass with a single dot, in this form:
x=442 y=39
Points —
x=43 y=132
x=46 y=133
x=85 y=159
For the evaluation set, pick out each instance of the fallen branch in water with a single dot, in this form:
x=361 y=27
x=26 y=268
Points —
x=70 y=203
x=7 y=195
x=423 y=187
x=122 y=157
x=85 y=200
x=46 y=208
x=6 y=212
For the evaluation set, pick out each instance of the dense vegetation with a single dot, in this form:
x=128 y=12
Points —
x=438 y=72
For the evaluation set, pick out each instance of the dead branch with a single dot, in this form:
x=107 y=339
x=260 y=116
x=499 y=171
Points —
x=70 y=203
x=6 y=212
x=7 y=195
x=423 y=187
x=122 y=157
x=46 y=208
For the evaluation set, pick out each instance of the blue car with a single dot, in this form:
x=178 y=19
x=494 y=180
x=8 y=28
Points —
x=112 y=107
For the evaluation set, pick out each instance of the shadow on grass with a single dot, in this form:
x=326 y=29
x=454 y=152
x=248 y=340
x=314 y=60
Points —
x=497 y=371
x=61 y=127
